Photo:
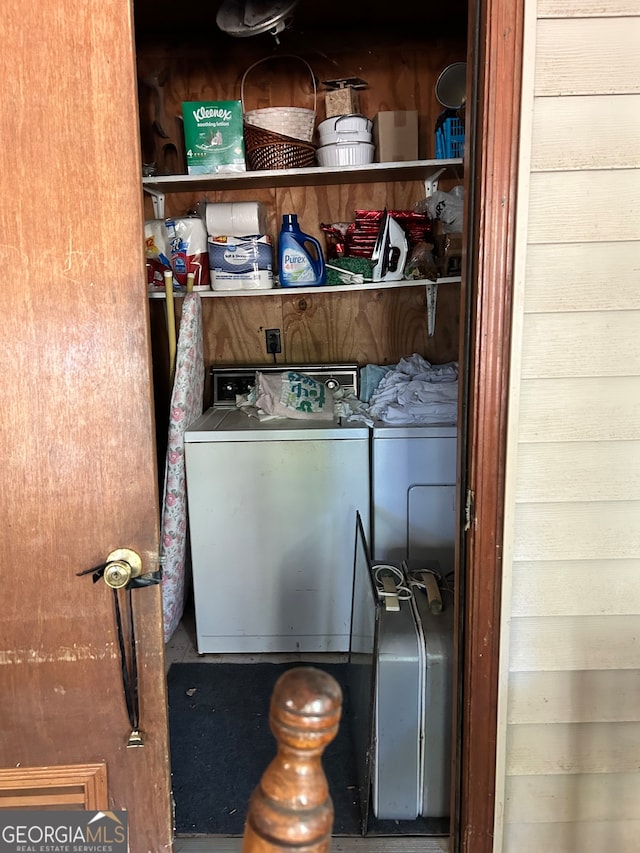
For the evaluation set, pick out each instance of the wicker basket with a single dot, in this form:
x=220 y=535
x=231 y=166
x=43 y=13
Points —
x=265 y=149
x=295 y=122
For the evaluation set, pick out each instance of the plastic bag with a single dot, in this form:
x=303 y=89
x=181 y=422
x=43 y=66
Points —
x=157 y=251
x=421 y=263
x=292 y=395
x=447 y=208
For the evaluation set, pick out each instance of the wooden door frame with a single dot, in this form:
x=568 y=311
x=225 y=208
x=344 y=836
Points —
x=494 y=81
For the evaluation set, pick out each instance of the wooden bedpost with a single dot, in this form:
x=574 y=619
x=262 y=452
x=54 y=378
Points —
x=291 y=808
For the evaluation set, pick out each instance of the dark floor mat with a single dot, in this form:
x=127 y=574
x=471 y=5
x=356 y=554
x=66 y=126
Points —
x=221 y=744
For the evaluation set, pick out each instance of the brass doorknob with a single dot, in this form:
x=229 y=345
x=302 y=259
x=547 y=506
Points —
x=123 y=564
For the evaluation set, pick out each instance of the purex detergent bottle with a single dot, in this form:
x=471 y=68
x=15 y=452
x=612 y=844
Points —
x=301 y=262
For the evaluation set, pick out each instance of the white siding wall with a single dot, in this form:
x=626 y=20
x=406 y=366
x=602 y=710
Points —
x=569 y=727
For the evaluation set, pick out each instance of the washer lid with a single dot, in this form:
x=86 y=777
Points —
x=236 y=425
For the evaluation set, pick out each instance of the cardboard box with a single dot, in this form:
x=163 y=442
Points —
x=341 y=102
x=395 y=134
x=213 y=136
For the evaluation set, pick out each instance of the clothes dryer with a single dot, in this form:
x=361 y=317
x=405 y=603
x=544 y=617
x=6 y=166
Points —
x=413 y=482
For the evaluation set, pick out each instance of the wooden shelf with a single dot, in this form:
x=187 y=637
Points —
x=428 y=171
x=296 y=291
x=414 y=170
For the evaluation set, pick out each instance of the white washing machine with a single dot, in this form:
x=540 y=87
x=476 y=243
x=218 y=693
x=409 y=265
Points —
x=272 y=509
x=413 y=481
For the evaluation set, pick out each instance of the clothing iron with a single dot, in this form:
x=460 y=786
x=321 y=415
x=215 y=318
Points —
x=390 y=251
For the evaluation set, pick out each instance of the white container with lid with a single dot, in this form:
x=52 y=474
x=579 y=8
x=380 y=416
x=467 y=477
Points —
x=346 y=154
x=346 y=128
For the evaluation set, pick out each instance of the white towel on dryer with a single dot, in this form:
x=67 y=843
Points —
x=417 y=392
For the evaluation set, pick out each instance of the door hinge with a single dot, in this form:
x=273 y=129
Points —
x=469 y=510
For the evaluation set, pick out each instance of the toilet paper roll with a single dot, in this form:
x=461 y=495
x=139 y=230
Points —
x=240 y=254
x=241 y=218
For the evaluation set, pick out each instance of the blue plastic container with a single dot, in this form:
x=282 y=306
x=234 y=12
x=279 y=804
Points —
x=449 y=136
x=300 y=258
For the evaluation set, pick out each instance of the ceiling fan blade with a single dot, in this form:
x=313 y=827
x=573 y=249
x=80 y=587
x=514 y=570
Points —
x=251 y=17
x=258 y=12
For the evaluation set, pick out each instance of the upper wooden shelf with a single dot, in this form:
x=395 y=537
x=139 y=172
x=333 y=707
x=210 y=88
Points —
x=277 y=290
x=414 y=170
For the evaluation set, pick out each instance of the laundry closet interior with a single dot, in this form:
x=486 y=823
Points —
x=183 y=55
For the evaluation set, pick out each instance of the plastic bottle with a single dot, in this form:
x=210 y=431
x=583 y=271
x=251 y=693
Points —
x=301 y=262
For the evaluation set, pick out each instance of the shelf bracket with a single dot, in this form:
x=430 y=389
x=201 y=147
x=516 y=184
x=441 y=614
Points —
x=432 y=298
x=157 y=197
x=431 y=182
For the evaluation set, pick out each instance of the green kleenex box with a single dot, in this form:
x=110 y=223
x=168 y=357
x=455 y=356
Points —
x=213 y=136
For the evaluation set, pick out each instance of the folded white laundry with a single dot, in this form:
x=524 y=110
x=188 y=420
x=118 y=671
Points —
x=416 y=392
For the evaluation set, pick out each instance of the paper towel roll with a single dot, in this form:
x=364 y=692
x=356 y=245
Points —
x=187 y=238
x=240 y=218
x=259 y=280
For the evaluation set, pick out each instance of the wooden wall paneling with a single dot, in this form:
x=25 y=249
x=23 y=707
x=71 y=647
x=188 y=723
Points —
x=574 y=697
x=233 y=333
x=542 y=749
x=588 y=343
x=564 y=471
x=402 y=77
x=588 y=132
x=563 y=208
x=585 y=409
x=557 y=643
x=598 y=587
x=569 y=837
x=586 y=8
x=584 y=530
x=582 y=277
x=577 y=797
x=587 y=56
x=445 y=344
x=319 y=328
x=372 y=326
x=573 y=612
x=234 y=328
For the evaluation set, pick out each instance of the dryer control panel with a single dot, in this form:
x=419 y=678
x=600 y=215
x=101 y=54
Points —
x=228 y=382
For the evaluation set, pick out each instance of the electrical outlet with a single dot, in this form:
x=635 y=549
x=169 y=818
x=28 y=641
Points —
x=274 y=344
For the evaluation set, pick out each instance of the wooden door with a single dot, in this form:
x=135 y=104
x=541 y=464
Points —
x=78 y=476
